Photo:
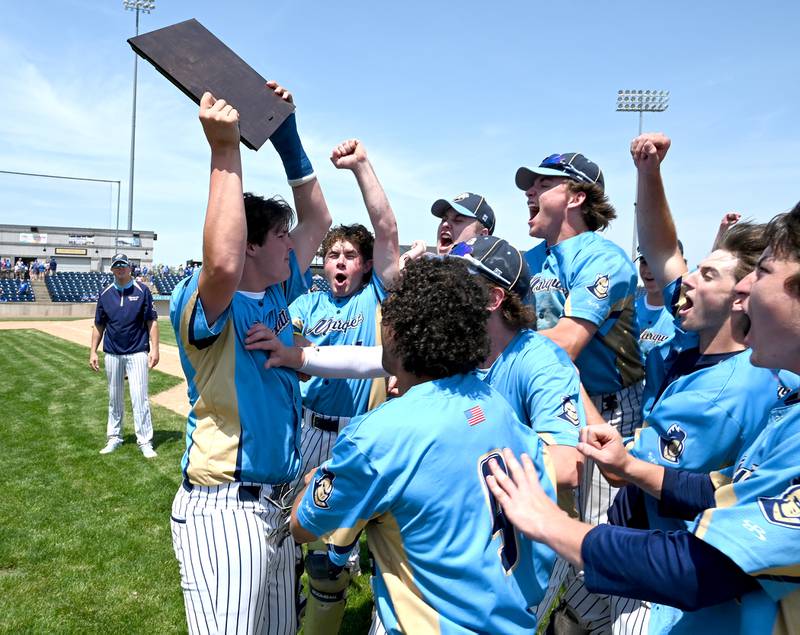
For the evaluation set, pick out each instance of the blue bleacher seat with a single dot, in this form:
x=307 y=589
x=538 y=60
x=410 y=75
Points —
x=73 y=286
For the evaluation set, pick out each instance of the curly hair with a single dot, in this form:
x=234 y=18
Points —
x=598 y=212
x=356 y=234
x=264 y=215
x=783 y=237
x=437 y=315
x=746 y=241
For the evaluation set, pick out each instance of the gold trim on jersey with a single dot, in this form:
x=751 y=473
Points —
x=725 y=496
x=215 y=440
x=413 y=613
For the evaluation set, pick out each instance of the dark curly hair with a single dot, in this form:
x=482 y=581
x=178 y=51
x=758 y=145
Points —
x=783 y=237
x=598 y=212
x=265 y=214
x=356 y=234
x=437 y=315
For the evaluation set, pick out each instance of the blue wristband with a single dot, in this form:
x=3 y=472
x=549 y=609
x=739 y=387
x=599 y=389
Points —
x=295 y=162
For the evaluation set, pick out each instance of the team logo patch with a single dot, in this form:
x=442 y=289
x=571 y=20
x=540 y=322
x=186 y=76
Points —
x=461 y=197
x=783 y=510
x=600 y=287
x=672 y=445
x=783 y=391
x=475 y=415
x=569 y=411
x=323 y=488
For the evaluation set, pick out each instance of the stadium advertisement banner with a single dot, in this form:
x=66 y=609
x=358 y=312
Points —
x=36 y=239
x=80 y=239
x=70 y=251
x=133 y=241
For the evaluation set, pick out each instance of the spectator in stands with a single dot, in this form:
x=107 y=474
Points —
x=180 y=272
x=53 y=265
x=24 y=288
x=19 y=267
x=164 y=270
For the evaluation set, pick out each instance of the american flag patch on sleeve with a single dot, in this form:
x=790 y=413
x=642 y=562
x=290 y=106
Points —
x=474 y=415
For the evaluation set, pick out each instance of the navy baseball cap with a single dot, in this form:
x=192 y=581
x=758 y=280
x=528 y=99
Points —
x=497 y=261
x=120 y=260
x=572 y=165
x=467 y=204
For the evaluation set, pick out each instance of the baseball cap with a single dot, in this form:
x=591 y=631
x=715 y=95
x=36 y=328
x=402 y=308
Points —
x=496 y=260
x=467 y=204
x=120 y=260
x=572 y=165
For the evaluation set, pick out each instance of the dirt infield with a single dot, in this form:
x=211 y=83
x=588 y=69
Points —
x=80 y=332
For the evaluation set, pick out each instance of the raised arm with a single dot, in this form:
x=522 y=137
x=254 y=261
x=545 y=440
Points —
x=313 y=218
x=225 y=229
x=658 y=240
x=351 y=155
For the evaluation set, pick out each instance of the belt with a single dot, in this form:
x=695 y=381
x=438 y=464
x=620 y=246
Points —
x=246 y=493
x=324 y=422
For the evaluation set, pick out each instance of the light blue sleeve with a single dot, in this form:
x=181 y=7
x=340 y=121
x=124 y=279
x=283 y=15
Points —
x=185 y=304
x=345 y=493
x=598 y=285
x=553 y=403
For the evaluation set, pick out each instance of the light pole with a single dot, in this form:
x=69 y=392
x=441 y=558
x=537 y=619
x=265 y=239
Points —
x=641 y=101
x=145 y=6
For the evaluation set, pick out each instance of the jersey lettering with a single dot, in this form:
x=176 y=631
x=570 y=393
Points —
x=509 y=549
x=326 y=325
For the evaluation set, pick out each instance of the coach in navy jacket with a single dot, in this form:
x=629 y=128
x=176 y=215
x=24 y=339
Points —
x=127 y=323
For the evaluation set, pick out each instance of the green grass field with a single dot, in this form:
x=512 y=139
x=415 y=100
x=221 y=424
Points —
x=86 y=544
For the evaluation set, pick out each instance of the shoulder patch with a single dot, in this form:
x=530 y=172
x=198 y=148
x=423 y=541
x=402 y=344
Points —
x=600 y=287
x=569 y=411
x=323 y=488
x=672 y=444
x=783 y=510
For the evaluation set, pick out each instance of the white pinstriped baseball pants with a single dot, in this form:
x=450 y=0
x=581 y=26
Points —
x=225 y=541
x=135 y=367
x=623 y=410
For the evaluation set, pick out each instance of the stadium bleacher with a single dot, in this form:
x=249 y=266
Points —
x=11 y=292
x=165 y=283
x=73 y=286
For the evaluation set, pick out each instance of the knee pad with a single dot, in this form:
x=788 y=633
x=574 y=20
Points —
x=327 y=586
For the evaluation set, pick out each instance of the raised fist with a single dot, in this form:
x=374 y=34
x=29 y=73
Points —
x=348 y=154
x=648 y=150
x=220 y=122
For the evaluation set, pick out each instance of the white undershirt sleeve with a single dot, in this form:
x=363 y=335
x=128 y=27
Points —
x=343 y=361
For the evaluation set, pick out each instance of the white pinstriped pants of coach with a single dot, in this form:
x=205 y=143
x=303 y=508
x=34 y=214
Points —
x=225 y=540
x=135 y=367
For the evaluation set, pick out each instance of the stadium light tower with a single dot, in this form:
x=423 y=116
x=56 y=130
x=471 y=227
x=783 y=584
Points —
x=641 y=101
x=145 y=6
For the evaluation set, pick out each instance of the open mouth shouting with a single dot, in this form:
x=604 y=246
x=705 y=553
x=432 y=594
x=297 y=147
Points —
x=445 y=241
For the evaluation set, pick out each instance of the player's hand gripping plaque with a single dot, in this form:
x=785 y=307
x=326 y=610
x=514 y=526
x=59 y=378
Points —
x=196 y=61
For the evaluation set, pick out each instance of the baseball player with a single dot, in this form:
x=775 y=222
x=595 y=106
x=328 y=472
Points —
x=711 y=401
x=582 y=289
x=357 y=268
x=534 y=375
x=655 y=322
x=243 y=431
x=734 y=570
x=412 y=472
x=127 y=323
x=464 y=217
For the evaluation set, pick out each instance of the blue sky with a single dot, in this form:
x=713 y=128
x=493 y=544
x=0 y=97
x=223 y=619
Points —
x=447 y=97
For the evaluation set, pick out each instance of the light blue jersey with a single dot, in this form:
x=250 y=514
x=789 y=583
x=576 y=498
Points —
x=656 y=325
x=756 y=523
x=413 y=472
x=590 y=278
x=326 y=320
x=704 y=420
x=244 y=422
x=542 y=385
